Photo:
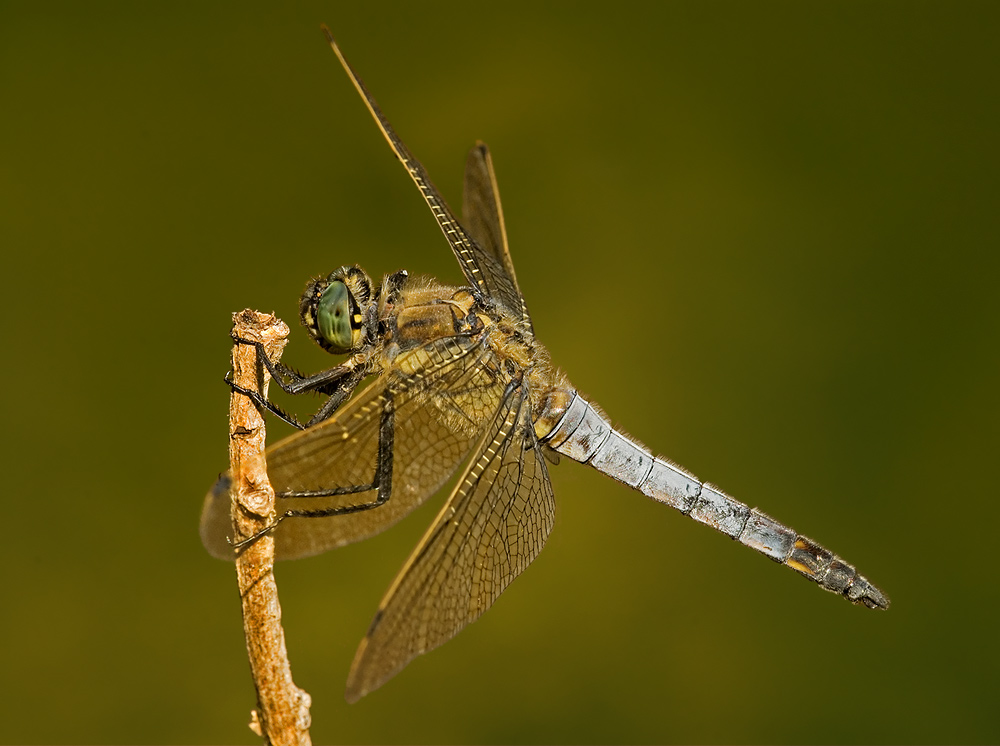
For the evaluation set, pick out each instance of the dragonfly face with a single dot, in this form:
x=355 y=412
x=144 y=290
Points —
x=336 y=310
x=458 y=379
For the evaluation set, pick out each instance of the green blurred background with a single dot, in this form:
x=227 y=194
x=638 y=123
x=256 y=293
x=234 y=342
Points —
x=762 y=236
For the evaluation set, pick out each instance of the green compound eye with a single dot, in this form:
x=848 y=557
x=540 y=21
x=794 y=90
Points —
x=333 y=314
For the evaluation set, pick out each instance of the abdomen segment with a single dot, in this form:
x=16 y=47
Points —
x=584 y=435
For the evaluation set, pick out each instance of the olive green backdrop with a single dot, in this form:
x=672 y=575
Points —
x=762 y=236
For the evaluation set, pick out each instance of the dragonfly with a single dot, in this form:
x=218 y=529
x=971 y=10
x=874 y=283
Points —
x=457 y=378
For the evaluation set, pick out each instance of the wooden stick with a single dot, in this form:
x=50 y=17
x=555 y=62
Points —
x=282 y=715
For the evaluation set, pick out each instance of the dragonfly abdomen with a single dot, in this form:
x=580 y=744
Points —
x=584 y=435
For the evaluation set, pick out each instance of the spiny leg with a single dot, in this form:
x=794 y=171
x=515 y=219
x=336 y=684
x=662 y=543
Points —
x=325 y=381
x=381 y=482
x=339 y=393
x=338 y=383
x=265 y=403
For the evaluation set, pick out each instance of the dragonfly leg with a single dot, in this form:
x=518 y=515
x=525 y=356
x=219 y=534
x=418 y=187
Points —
x=264 y=403
x=339 y=393
x=338 y=383
x=381 y=483
x=293 y=382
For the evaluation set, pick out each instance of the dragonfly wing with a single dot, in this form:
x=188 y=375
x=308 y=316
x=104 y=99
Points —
x=440 y=409
x=483 y=272
x=493 y=525
x=482 y=215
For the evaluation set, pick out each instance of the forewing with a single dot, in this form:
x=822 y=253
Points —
x=493 y=525
x=443 y=396
x=482 y=271
x=482 y=216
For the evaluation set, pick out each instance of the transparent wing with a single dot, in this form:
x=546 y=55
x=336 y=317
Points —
x=484 y=272
x=441 y=407
x=482 y=215
x=493 y=525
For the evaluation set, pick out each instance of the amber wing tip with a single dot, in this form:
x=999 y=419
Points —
x=356 y=689
x=352 y=696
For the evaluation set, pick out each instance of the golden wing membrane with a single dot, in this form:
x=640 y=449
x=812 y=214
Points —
x=493 y=525
x=440 y=409
x=482 y=215
x=484 y=272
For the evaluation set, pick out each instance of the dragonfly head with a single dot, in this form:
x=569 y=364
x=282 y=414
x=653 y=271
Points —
x=334 y=309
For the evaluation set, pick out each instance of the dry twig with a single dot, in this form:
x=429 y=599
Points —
x=282 y=714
